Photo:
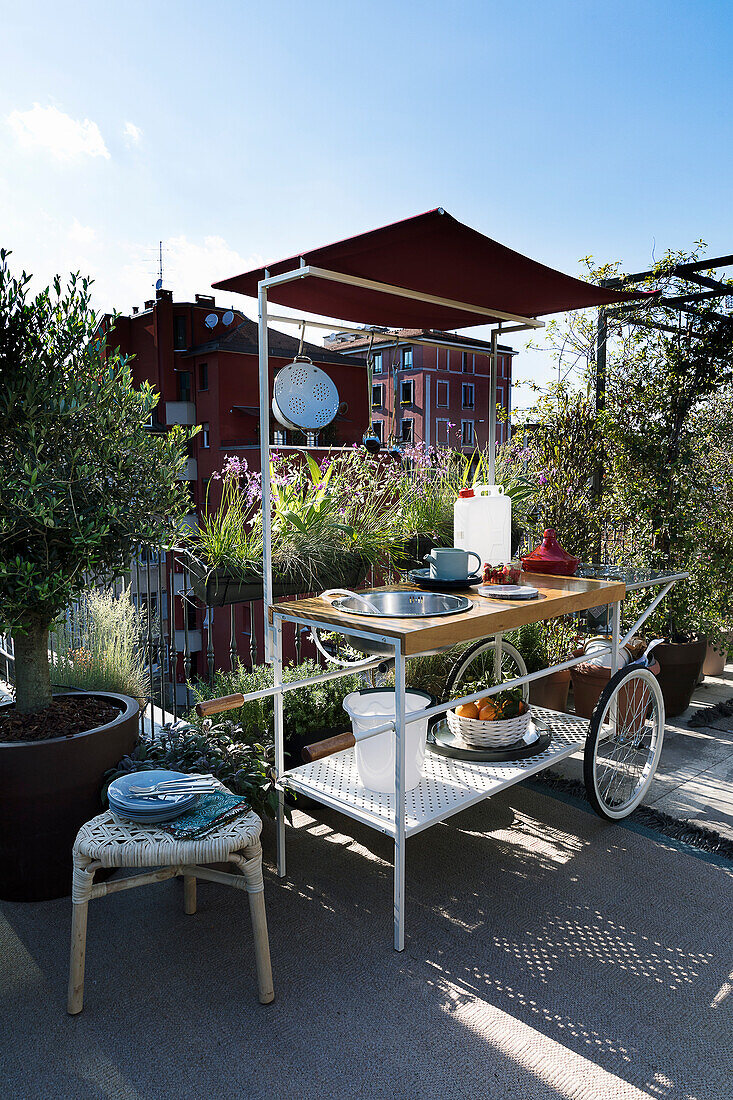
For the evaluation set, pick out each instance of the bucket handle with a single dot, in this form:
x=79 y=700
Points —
x=488 y=490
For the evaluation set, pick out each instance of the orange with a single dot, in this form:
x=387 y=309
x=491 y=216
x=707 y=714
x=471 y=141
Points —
x=467 y=710
x=488 y=712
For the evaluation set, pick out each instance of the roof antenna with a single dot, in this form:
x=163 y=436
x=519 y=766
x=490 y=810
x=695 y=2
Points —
x=159 y=283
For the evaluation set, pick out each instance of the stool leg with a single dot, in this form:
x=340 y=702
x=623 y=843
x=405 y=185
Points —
x=250 y=863
x=81 y=892
x=189 y=894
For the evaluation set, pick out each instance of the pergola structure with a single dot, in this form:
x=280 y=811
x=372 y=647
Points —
x=685 y=303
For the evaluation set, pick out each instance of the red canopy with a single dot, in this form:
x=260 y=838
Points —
x=430 y=254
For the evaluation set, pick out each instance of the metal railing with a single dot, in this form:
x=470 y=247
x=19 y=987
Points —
x=184 y=640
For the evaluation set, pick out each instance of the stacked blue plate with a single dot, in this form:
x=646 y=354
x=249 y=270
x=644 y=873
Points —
x=148 y=811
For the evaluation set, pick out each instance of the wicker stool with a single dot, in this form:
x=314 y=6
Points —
x=106 y=842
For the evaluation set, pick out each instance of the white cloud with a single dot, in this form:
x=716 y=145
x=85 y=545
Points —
x=64 y=137
x=132 y=133
x=81 y=234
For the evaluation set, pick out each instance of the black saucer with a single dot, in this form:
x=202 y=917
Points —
x=445 y=743
x=422 y=578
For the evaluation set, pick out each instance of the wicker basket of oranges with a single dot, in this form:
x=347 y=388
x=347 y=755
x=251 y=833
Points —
x=495 y=722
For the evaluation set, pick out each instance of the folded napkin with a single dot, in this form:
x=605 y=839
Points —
x=210 y=813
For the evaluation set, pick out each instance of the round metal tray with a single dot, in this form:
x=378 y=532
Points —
x=445 y=743
x=402 y=604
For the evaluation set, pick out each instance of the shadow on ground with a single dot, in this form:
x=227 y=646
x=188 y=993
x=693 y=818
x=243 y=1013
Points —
x=549 y=954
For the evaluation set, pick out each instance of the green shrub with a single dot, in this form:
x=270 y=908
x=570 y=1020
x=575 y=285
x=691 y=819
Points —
x=242 y=766
x=102 y=651
x=308 y=712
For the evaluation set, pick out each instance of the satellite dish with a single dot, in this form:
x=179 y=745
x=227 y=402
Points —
x=158 y=284
x=227 y=318
x=211 y=320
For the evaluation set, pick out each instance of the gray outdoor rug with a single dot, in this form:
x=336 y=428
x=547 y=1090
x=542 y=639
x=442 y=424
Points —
x=549 y=955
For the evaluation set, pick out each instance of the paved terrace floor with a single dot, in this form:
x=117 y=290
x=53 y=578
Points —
x=549 y=955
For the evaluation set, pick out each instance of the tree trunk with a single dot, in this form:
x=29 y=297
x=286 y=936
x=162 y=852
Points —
x=32 y=674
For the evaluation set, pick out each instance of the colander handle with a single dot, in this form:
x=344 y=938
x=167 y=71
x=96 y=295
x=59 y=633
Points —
x=354 y=595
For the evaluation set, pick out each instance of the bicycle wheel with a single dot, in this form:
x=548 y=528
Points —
x=479 y=660
x=624 y=743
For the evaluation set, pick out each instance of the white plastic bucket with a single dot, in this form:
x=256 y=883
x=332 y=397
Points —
x=375 y=757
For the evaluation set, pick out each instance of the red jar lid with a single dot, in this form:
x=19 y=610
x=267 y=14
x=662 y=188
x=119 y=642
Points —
x=465 y=492
x=549 y=557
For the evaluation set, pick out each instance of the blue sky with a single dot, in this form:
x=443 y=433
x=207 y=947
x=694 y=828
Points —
x=241 y=132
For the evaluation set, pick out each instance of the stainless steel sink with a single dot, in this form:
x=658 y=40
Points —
x=401 y=604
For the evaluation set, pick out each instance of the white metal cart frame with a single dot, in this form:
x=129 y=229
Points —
x=448 y=785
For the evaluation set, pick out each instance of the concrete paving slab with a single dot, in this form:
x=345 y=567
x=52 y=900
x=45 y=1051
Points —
x=706 y=799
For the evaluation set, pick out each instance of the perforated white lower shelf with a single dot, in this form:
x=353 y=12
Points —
x=447 y=786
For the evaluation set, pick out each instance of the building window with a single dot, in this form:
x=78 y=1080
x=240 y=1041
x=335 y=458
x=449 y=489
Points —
x=443 y=364
x=191 y=615
x=205 y=434
x=441 y=433
x=378 y=426
x=184 y=385
x=203 y=376
x=467 y=433
x=468 y=401
x=443 y=395
x=467 y=362
x=407 y=358
x=408 y=431
x=407 y=392
x=179 y=332
x=377 y=362
x=377 y=397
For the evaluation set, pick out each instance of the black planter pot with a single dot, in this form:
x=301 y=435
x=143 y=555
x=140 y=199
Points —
x=680 y=667
x=223 y=587
x=48 y=789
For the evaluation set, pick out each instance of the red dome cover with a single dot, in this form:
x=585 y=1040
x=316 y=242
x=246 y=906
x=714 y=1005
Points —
x=549 y=557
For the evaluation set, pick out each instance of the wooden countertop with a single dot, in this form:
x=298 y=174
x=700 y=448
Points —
x=558 y=596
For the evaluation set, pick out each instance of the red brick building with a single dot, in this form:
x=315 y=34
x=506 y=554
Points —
x=203 y=360
x=435 y=391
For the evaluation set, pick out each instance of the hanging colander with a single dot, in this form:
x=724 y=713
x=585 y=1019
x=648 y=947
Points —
x=304 y=398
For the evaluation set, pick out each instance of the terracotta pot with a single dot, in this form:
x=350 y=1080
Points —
x=588 y=683
x=48 y=789
x=681 y=664
x=551 y=691
x=715 y=660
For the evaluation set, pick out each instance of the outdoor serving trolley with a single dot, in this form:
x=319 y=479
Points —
x=428 y=273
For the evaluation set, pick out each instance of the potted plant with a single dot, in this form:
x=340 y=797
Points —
x=82 y=481
x=542 y=645
x=326 y=532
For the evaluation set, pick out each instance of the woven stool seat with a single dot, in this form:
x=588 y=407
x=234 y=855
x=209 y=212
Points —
x=117 y=843
x=108 y=841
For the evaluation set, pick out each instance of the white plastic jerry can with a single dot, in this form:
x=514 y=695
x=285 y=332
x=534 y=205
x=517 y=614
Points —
x=482 y=522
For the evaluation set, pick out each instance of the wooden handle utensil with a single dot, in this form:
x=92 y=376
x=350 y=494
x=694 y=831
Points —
x=320 y=749
x=217 y=706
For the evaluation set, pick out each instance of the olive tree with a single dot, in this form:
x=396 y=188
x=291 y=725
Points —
x=82 y=479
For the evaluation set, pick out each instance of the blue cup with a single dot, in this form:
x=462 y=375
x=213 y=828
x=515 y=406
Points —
x=448 y=563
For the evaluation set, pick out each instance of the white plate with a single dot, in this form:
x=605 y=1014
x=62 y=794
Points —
x=508 y=591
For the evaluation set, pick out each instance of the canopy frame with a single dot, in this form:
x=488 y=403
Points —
x=304 y=271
